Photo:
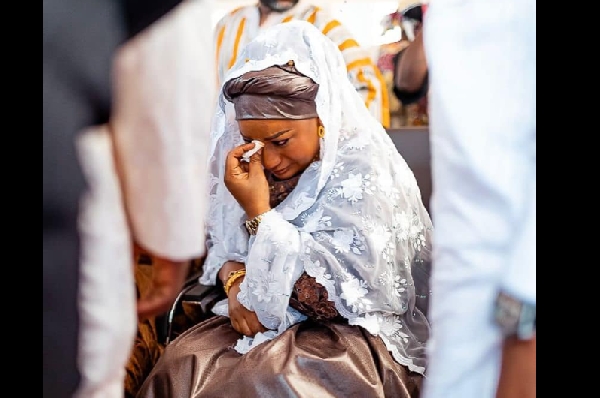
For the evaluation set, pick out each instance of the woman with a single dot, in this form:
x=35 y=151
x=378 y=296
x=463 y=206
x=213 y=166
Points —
x=321 y=241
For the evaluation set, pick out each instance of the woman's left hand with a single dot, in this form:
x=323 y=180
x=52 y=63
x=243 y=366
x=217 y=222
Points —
x=246 y=181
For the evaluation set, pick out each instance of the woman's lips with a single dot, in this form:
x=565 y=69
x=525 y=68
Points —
x=280 y=171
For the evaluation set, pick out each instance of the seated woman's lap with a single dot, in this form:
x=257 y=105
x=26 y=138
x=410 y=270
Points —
x=312 y=358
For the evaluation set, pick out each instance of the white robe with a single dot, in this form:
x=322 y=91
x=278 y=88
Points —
x=482 y=64
x=164 y=93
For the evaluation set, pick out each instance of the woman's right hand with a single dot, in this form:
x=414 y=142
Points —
x=243 y=320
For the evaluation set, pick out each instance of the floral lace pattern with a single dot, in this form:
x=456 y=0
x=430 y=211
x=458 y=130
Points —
x=308 y=296
x=355 y=221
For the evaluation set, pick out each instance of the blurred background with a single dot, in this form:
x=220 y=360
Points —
x=362 y=17
x=378 y=28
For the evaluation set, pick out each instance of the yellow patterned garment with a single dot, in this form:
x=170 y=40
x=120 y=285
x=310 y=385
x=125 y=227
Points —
x=241 y=25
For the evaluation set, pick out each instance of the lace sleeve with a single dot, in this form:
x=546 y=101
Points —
x=308 y=296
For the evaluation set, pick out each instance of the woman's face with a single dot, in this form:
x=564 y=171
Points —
x=290 y=145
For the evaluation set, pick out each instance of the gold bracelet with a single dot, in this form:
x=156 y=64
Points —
x=232 y=277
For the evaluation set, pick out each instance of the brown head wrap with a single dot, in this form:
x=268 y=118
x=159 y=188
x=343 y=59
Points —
x=278 y=92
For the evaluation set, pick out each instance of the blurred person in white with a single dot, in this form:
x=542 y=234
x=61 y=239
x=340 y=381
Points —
x=482 y=68
x=146 y=171
x=241 y=25
x=80 y=38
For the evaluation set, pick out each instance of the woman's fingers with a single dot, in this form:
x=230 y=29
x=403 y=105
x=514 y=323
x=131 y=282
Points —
x=246 y=322
x=245 y=329
x=233 y=163
x=235 y=325
x=238 y=321
x=254 y=324
x=239 y=325
x=255 y=166
x=238 y=151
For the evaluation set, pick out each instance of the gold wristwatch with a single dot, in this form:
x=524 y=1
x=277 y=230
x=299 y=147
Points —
x=252 y=225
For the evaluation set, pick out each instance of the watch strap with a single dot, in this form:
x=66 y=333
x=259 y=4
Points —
x=515 y=317
x=252 y=225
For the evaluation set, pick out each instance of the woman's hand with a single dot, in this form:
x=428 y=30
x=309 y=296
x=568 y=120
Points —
x=243 y=320
x=246 y=181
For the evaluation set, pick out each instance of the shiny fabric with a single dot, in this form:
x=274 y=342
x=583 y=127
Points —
x=309 y=360
x=278 y=92
x=308 y=297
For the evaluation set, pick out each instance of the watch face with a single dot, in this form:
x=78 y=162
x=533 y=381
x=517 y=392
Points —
x=514 y=317
x=508 y=311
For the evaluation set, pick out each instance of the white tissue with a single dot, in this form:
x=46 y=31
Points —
x=257 y=145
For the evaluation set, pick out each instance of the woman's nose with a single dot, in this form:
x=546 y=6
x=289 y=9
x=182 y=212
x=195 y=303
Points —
x=270 y=158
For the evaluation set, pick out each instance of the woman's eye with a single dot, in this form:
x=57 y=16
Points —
x=247 y=141
x=281 y=142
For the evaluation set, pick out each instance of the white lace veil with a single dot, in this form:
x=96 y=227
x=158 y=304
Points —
x=355 y=221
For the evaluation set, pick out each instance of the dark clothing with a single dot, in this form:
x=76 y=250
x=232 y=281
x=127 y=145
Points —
x=409 y=97
x=80 y=37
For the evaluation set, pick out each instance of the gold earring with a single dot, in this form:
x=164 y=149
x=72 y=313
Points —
x=321 y=131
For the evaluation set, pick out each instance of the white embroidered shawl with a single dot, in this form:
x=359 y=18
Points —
x=355 y=221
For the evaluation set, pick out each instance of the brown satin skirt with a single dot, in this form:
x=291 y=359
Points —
x=310 y=360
